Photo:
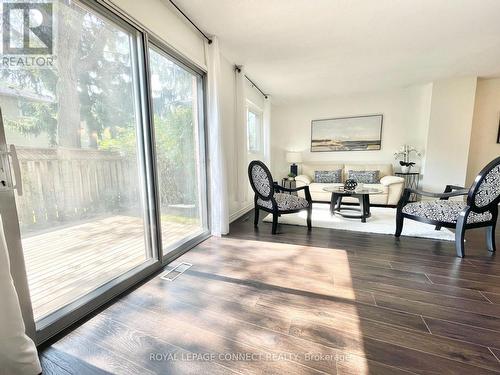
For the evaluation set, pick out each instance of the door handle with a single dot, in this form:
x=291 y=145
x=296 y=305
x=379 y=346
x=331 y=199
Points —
x=16 y=169
x=9 y=166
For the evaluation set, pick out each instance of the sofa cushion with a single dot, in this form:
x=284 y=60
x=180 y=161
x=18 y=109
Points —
x=334 y=176
x=309 y=168
x=367 y=177
x=384 y=169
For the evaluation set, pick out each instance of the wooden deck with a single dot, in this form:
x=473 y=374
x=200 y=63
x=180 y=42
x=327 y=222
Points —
x=64 y=264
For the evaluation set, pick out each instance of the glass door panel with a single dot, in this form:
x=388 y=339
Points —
x=77 y=132
x=176 y=102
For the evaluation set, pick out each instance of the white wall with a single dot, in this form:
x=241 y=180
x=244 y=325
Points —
x=166 y=22
x=406 y=114
x=436 y=118
x=449 y=133
x=483 y=146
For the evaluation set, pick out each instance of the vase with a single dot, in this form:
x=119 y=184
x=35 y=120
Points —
x=405 y=169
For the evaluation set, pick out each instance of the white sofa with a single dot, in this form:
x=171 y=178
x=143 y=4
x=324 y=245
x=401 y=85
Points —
x=391 y=186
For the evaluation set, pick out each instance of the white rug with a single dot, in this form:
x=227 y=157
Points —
x=383 y=221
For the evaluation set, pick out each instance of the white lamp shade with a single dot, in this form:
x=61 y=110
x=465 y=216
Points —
x=294 y=157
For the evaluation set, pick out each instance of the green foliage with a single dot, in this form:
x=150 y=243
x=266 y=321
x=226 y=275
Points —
x=123 y=140
x=175 y=150
x=38 y=118
x=175 y=153
x=93 y=60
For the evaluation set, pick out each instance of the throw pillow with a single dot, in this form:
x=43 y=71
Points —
x=365 y=177
x=328 y=177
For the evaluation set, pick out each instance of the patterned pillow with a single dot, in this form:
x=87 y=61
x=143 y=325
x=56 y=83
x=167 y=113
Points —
x=328 y=176
x=365 y=177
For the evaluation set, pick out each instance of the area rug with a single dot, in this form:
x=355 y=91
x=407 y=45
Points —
x=382 y=221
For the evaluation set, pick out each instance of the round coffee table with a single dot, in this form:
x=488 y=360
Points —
x=363 y=195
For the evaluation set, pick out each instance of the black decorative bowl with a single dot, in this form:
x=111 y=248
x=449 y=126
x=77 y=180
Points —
x=350 y=184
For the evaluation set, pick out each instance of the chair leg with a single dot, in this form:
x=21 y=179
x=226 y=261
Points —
x=399 y=223
x=490 y=237
x=275 y=223
x=309 y=224
x=460 y=236
x=256 y=218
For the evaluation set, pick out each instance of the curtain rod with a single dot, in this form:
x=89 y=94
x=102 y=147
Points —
x=210 y=42
x=192 y=23
x=238 y=69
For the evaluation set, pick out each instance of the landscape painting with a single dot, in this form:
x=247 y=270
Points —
x=361 y=133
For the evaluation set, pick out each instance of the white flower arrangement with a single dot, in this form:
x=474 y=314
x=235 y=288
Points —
x=404 y=153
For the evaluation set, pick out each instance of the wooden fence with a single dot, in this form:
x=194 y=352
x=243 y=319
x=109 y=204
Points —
x=61 y=185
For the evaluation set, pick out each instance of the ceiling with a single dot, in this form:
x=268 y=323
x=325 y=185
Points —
x=297 y=49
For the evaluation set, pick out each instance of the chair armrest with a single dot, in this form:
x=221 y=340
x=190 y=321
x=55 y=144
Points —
x=290 y=190
x=391 y=180
x=449 y=189
x=293 y=190
x=438 y=195
x=453 y=187
x=303 y=178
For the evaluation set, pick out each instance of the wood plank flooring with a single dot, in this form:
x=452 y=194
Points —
x=328 y=302
x=65 y=263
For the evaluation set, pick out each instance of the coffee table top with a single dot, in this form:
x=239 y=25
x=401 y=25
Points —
x=360 y=191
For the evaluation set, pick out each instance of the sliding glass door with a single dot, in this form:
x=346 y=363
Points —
x=179 y=148
x=98 y=168
x=78 y=137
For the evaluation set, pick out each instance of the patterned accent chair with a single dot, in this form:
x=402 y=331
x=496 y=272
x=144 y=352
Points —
x=278 y=200
x=479 y=210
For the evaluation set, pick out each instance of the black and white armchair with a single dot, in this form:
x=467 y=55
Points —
x=479 y=210
x=270 y=197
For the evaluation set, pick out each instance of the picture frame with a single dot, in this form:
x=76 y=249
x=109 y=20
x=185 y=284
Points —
x=352 y=133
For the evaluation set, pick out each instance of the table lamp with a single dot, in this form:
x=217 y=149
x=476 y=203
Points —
x=294 y=157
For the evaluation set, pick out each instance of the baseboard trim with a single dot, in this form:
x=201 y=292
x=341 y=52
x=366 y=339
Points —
x=242 y=211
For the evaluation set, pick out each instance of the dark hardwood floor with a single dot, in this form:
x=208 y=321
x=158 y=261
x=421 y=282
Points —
x=329 y=301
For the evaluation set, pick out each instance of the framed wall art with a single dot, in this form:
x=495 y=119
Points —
x=357 y=133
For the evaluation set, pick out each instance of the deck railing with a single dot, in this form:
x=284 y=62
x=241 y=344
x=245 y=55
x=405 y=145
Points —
x=72 y=184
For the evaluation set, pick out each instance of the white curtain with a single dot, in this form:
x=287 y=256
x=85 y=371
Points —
x=242 y=186
x=18 y=353
x=219 y=209
x=266 y=125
